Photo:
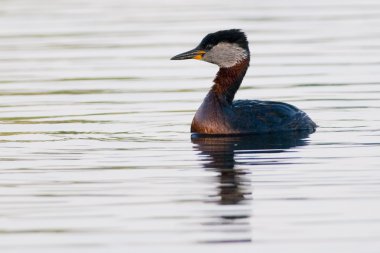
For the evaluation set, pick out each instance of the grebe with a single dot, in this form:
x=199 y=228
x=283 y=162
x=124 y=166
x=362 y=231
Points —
x=219 y=114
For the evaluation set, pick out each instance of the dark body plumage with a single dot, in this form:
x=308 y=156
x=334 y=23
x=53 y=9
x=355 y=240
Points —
x=219 y=114
x=250 y=117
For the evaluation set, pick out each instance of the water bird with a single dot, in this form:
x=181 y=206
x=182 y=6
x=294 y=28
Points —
x=220 y=114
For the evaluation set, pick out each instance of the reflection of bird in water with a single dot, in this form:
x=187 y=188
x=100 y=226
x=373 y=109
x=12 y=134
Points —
x=219 y=114
x=220 y=153
x=234 y=184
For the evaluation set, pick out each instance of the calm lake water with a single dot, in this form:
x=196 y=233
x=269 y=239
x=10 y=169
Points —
x=95 y=150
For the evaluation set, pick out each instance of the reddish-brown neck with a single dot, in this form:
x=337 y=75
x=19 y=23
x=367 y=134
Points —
x=228 y=80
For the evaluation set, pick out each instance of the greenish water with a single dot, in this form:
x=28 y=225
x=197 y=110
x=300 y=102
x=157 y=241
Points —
x=95 y=150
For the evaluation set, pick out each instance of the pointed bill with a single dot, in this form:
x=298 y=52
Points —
x=192 y=54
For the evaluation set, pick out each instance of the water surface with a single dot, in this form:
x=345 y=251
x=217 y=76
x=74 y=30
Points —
x=95 y=150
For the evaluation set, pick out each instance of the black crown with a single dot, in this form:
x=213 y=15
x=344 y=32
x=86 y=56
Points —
x=230 y=36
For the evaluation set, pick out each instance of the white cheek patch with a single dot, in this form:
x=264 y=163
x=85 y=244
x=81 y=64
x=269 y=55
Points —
x=226 y=55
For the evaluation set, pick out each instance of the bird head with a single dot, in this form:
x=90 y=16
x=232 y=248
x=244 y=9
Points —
x=224 y=48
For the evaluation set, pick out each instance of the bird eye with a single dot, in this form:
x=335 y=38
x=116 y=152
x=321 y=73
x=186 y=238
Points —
x=208 y=47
